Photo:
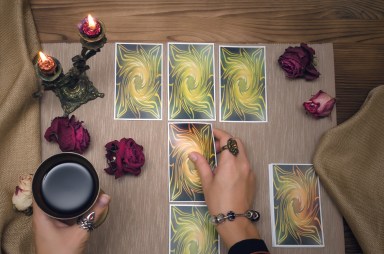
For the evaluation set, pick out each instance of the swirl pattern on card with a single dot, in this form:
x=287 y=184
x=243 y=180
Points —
x=138 y=81
x=242 y=84
x=191 y=81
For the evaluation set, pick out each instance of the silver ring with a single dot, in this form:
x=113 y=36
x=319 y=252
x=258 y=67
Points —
x=87 y=221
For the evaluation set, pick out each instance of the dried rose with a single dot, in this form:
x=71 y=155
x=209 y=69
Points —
x=69 y=134
x=124 y=157
x=297 y=62
x=320 y=105
x=22 y=198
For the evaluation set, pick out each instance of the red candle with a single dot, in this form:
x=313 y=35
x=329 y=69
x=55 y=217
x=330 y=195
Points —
x=46 y=64
x=90 y=27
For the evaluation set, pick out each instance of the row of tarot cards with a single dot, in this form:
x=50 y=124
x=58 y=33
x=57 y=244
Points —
x=294 y=197
x=191 y=82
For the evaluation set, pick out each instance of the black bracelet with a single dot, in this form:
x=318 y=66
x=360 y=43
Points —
x=252 y=215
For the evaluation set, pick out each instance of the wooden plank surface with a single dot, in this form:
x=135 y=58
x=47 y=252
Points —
x=139 y=208
x=356 y=28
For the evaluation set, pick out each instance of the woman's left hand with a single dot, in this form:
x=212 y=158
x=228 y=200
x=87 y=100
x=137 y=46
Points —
x=54 y=236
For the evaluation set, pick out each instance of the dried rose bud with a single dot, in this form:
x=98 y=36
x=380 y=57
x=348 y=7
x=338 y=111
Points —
x=22 y=198
x=297 y=62
x=320 y=105
x=69 y=134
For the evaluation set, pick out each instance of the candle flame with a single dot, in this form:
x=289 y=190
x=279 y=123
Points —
x=43 y=57
x=91 y=22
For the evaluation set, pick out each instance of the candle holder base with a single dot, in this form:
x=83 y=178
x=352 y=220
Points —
x=72 y=97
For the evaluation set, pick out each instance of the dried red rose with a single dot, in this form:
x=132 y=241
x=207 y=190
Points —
x=69 y=134
x=320 y=105
x=297 y=62
x=124 y=157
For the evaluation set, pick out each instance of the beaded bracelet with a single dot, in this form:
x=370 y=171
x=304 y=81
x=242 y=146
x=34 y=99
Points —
x=252 y=215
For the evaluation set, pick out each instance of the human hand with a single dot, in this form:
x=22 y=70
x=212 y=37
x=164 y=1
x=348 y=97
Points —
x=54 y=236
x=230 y=187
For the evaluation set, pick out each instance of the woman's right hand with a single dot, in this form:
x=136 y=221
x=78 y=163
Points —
x=230 y=187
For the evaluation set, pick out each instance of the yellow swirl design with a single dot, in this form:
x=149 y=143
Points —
x=191 y=81
x=184 y=138
x=191 y=231
x=242 y=84
x=296 y=205
x=138 y=81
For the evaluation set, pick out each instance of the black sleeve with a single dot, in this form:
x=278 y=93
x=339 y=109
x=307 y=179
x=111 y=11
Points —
x=249 y=246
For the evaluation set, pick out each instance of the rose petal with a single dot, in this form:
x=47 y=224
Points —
x=25 y=182
x=52 y=132
x=118 y=173
x=113 y=145
x=66 y=138
x=311 y=73
x=310 y=50
x=133 y=171
x=326 y=108
x=109 y=171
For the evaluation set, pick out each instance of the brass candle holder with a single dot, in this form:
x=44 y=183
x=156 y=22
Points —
x=74 y=87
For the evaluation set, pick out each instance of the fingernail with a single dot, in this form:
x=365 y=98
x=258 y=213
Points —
x=192 y=157
x=104 y=200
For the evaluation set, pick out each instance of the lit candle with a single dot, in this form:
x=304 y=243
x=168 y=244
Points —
x=46 y=64
x=90 y=27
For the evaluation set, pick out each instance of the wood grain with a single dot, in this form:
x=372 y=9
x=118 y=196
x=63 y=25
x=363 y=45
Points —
x=359 y=68
x=139 y=208
x=231 y=21
x=356 y=28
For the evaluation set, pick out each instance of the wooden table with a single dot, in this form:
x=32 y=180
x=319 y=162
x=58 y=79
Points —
x=355 y=27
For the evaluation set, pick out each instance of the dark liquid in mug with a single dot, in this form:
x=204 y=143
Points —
x=67 y=188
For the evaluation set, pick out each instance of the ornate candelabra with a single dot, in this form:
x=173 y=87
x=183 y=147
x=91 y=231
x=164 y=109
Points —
x=74 y=87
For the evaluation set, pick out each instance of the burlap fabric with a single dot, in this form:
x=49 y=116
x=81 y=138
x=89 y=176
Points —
x=350 y=163
x=20 y=151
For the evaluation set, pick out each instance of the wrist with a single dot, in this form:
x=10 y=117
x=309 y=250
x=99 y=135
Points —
x=237 y=230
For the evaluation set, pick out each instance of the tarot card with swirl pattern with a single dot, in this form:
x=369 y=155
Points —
x=243 y=89
x=191 y=81
x=139 y=82
x=190 y=230
x=295 y=206
x=184 y=179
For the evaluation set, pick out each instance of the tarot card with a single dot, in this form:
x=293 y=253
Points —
x=295 y=206
x=243 y=93
x=184 y=138
x=191 y=81
x=138 y=81
x=190 y=230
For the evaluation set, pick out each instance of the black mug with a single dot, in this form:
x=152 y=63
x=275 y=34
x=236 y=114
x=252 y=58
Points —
x=65 y=186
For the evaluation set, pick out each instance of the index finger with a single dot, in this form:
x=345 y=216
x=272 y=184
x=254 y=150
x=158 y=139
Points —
x=221 y=136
